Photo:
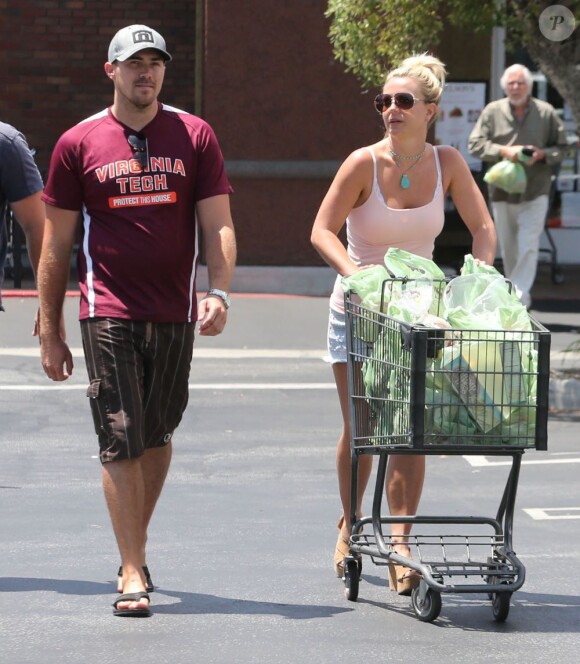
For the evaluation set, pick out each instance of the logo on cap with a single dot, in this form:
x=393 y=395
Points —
x=143 y=36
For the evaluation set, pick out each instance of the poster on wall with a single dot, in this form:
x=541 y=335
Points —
x=459 y=109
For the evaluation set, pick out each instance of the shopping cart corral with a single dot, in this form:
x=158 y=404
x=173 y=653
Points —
x=562 y=185
x=432 y=391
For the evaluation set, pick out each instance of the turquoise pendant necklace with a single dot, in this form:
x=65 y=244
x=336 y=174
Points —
x=405 y=182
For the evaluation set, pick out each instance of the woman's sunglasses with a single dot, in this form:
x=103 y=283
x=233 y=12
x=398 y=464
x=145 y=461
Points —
x=403 y=100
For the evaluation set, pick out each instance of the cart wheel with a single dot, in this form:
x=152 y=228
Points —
x=352 y=572
x=496 y=568
x=429 y=608
x=557 y=275
x=500 y=606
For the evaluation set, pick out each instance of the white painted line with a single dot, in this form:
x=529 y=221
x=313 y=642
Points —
x=204 y=353
x=212 y=353
x=192 y=386
x=482 y=462
x=553 y=513
x=33 y=352
x=68 y=387
x=263 y=386
x=258 y=353
x=479 y=461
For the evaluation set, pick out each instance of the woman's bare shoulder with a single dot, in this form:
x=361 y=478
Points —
x=361 y=160
x=447 y=151
x=361 y=155
x=452 y=161
x=449 y=154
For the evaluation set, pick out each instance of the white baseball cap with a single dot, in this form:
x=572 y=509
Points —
x=135 y=38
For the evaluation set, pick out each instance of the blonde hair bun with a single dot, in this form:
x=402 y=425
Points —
x=425 y=68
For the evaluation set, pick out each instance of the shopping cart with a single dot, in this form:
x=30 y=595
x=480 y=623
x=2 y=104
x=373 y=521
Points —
x=422 y=390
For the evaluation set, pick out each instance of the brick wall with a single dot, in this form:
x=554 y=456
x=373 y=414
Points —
x=52 y=55
x=270 y=88
x=273 y=92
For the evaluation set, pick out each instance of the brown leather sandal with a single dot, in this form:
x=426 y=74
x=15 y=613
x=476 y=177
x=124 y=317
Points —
x=403 y=579
x=342 y=550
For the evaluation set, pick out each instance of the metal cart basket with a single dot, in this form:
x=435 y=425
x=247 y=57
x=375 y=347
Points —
x=424 y=390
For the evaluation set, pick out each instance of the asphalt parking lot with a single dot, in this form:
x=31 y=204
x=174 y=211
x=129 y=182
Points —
x=241 y=544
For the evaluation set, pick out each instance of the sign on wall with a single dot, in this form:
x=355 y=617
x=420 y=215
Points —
x=459 y=109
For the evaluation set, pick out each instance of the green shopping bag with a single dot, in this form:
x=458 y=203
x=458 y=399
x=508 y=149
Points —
x=507 y=175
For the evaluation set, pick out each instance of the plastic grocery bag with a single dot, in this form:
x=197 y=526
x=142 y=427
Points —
x=480 y=298
x=483 y=302
x=367 y=283
x=387 y=388
x=370 y=285
x=445 y=414
x=377 y=372
x=411 y=302
x=491 y=369
x=401 y=263
x=472 y=266
x=507 y=175
x=415 y=288
x=476 y=371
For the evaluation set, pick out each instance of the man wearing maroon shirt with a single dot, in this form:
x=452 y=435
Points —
x=135 y=180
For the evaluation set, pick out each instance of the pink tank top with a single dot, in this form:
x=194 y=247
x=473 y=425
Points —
x=374 y=227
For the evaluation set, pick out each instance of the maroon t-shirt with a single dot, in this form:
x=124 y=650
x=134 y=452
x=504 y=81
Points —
x=138 y=251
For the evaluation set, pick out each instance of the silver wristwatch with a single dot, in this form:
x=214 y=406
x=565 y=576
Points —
x=223 y=296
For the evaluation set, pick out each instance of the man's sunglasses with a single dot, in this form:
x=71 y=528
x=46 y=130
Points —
x=403 y=100
x=138 y=144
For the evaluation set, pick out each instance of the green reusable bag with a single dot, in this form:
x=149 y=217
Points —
x=507 y=175
x=401 y=263
x=481 y=298
x=367 y=283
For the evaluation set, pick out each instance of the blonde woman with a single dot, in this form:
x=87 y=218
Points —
x=391 y=194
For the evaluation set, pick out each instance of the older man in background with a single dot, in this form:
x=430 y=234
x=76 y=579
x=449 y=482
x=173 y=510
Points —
x=503 y=130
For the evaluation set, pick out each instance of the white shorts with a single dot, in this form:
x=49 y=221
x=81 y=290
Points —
x=336 y=339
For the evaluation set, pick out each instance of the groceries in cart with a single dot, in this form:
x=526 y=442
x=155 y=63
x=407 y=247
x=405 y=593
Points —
x=416 y=300
x=481 y=298
x=480 y=363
